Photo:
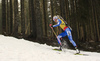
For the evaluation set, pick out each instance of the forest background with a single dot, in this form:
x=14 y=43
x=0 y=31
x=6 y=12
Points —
x=30 y=19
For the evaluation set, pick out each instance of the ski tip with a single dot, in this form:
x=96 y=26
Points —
x=78 y=54
x=57 y=49
x=81 y=54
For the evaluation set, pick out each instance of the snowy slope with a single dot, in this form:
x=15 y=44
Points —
x=12 y=49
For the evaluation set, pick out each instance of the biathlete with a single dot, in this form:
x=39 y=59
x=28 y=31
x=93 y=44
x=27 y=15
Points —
x=67 y=32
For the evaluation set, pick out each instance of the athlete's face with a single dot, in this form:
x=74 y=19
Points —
x=56 y=20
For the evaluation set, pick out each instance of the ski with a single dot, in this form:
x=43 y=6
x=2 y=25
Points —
x=74 y=53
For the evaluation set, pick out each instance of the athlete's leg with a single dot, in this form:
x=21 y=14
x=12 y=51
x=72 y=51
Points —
x=63 y=34
x=60 y=36
x=68 y=31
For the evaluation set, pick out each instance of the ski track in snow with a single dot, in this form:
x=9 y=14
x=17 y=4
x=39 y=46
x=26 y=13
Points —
x=12 y=49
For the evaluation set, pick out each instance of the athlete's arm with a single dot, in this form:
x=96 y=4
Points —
x=58 y=23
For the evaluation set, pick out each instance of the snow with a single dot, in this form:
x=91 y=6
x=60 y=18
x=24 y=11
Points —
x=12 y=49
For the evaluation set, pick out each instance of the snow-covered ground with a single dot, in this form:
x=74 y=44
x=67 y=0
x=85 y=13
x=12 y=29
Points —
x=12 y=49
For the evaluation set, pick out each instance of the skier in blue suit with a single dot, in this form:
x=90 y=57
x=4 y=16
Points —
x=67 y=32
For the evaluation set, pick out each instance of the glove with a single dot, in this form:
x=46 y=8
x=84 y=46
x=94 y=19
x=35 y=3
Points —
x=51 y=25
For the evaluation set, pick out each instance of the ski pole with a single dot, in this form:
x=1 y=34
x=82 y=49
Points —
x=56 y=36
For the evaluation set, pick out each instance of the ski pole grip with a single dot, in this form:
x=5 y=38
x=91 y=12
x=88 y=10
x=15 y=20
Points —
x=51 y=26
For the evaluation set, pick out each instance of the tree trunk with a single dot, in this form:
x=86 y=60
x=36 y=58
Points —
x=23 y=17
x=39 y=29
x=0 y=18
x=11 y=17
x=4 y=16
x=16 y=18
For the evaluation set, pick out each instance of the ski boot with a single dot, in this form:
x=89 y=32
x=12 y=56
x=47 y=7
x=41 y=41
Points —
x=77 y=50
x=60 y=48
